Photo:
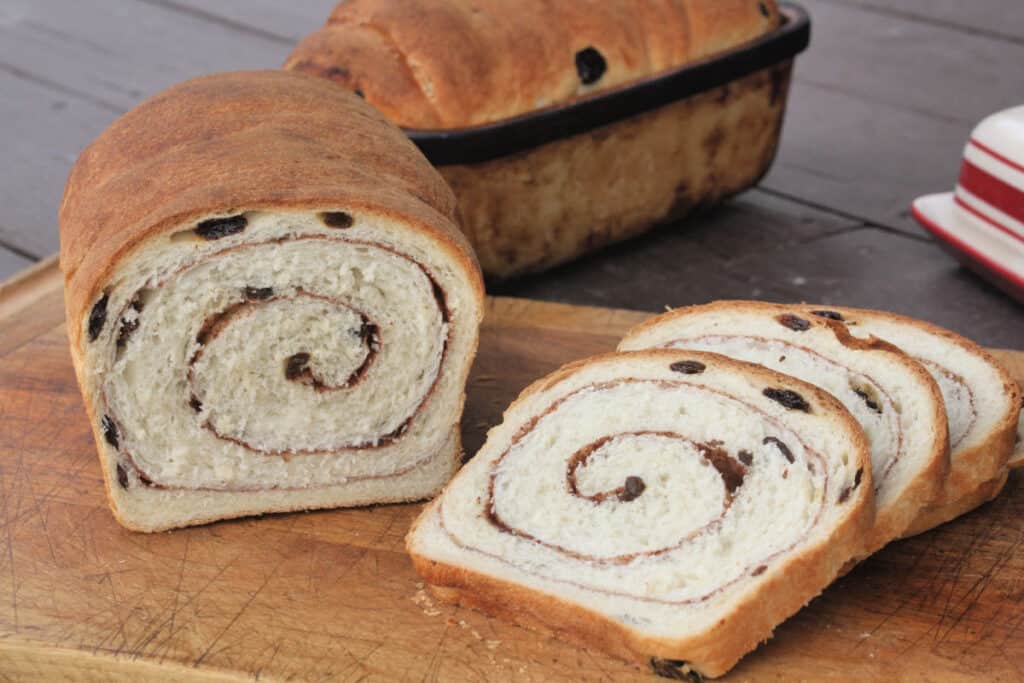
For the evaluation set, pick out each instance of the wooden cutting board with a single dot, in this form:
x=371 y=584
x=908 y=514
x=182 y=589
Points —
x=332 y=596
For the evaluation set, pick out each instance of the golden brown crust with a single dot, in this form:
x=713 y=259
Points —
x=234 y=141
x=751 y=621
x=458 y=63
x=973 y=469
x=928 y=483
x=935 y=515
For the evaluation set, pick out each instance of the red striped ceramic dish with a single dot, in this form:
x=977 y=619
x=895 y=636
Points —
x=982 y=221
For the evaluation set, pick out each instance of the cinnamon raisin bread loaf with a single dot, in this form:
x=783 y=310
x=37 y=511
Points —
x=982 y=402
x=474 y=67
x=895 y=400
x=269 y=305
x=662 y=506
x=459 y=63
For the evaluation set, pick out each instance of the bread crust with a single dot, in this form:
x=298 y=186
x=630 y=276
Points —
x=751 y=621
x=927 y=486
x=936 y=515
x=278 y=141
x=459 y=63
x=974 y=471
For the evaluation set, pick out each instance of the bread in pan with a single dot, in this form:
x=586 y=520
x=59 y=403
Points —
x=450 y=65
x=891 y=395
x=433 y=64
x=657 y=505
x=983 y=404
x=269 y=305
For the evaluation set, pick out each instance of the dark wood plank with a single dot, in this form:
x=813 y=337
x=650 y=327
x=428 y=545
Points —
x=42 y=133
x=67 y=69
x=882 y=106
x=120 y=51
x=765 y=247
x=1003 y=19
x=291 y=20
x=11 y=263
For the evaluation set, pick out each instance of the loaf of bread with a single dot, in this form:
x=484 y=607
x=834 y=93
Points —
x=459 y=63
x=453 y=65
x=268 y=303
x=662 y=506
x=983 y=404
x=893 y=397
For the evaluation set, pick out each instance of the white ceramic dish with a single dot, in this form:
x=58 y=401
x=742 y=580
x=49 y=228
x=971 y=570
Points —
x=982 y=221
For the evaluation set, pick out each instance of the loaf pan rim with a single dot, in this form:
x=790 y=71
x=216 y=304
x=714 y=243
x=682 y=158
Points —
x=486 y=142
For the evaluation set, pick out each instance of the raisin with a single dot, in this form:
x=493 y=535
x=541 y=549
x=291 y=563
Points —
x=122 y=476
x=110 y=431
x=765 y=12
x=732 y=472
x=788 y=398
x=216 y=228
x=688 y=367
x=845 y=494
x=831 y=315
x=759 y=570
x=867 y=399
x=337 y=219
x=794 y=322
x=675 y=669
x=258 y=293
x=195 y=404
x=125 y=333
x=590 y=65
x=857 y=477
x=98 y=317
x=746 y=457
x=782 y=447
x=296 y=365
x=633 y=488
x=359 y=93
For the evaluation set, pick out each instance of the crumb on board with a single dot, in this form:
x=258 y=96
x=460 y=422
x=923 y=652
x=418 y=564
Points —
x=423 y=601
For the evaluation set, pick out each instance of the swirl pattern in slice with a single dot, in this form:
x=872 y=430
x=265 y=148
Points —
x=658 y=489
x=894 y=399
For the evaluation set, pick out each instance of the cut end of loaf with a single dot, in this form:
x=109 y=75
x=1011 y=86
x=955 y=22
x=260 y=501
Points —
x=267 y=313
x=620 y=505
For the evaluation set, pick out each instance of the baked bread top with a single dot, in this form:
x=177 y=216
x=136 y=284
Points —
x=456 y=63
x=256 y=139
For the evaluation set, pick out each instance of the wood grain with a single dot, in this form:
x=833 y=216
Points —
x=332 y=596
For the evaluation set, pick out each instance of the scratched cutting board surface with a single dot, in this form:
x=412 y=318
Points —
x=332 y=596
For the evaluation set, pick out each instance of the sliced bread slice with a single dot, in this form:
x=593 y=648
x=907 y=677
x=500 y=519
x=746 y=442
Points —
x=893 y=397
x=983 y=404
x=668 y=507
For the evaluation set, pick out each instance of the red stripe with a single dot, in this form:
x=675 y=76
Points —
x=996 y=155
x=974 y=212
x=980 y=258
x=992 y=190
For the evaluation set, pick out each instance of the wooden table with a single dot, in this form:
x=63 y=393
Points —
x=881 y=106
